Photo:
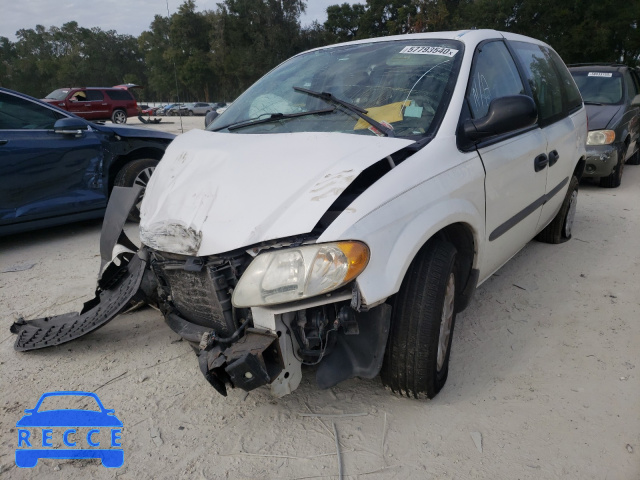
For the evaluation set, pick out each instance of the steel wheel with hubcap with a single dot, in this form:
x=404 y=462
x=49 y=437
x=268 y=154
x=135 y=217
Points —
x=561 y=227
x=571 y=214
x=416 y=361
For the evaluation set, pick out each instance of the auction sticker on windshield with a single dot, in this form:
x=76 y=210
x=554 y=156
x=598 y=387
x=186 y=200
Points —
x=447 y=52
x=69 y=425
x=599 y=74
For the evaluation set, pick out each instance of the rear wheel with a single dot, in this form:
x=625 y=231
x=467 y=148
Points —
x=119 y=116
x=560 y=228
x=136 y=172
x=416 y=361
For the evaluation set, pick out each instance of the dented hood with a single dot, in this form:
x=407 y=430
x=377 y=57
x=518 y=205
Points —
x=226 y=191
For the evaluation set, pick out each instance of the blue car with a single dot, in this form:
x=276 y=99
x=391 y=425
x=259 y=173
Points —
x=27 y=453
x=57 y=168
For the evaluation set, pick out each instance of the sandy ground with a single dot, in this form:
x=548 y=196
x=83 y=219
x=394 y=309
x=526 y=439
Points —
x=544 y=369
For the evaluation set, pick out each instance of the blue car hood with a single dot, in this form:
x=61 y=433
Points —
x=600 y=116
x=125 y=131
x=69 y=418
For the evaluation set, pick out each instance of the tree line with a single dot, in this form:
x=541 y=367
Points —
x=216 y=54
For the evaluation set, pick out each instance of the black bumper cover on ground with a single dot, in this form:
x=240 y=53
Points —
x=50 y=331
x=118 y=284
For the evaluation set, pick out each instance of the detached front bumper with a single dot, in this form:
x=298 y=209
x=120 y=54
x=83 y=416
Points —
x=601 y=160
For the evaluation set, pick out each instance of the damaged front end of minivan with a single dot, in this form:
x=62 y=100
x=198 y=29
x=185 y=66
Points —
x=256 y=313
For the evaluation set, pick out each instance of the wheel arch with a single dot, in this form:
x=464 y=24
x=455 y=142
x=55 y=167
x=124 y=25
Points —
x=122 y=160
x=579 y=168
x=464 y=230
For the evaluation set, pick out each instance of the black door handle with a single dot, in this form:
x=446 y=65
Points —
x=553 y=157
x=4 y=142
x=540 y=162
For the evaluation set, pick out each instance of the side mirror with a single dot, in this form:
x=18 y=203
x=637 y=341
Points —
x=70 y=126
x=210 y=117
x=506 y=114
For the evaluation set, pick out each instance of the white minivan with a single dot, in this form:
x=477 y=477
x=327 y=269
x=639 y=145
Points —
x=346 y=206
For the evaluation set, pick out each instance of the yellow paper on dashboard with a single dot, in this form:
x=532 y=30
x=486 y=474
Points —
x=389 y=113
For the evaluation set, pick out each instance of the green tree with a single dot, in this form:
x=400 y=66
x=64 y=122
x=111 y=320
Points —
x=255 y=36
x=343 y=21
x=585 y=31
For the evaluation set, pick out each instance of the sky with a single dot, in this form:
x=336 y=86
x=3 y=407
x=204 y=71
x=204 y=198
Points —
x=125 y=16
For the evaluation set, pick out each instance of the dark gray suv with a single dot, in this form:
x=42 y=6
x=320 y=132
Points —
x=611 y=94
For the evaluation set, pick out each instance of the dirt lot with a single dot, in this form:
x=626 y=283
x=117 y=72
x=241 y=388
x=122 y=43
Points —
x=544 y=370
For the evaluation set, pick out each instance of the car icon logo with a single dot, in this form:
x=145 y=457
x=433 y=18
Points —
x=84 y=432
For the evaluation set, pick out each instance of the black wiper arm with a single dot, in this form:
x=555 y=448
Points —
x=592 y=103
x=361 y=112
x=271 y=118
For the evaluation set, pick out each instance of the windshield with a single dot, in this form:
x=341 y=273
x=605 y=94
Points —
x=59 y=94
x=599 y=87
x=402 y=85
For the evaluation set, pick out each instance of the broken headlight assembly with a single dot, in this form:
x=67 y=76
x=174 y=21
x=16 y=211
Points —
x=291 y=274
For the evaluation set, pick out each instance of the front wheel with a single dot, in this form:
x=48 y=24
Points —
x=119 y=116
x=561 y=227
x=136 y=172
x=615 y=179
x=635 y=158
x=416 y=362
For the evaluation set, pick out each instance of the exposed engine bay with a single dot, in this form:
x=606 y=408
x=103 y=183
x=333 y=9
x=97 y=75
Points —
x=236 y=347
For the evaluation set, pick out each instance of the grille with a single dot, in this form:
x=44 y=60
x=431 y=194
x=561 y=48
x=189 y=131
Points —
x=200 y=288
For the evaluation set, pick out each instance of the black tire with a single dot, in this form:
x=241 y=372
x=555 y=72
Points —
x=614 y=180
x=635 y=158
x=410 y=364
x=559 y=230
x=136 y=172
x=119 y=116
x=191 y=113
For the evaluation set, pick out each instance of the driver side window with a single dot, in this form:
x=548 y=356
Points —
x=493 y=75
x=20 y=114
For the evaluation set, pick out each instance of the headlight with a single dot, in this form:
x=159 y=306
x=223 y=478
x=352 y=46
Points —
x=601 y=137
x=291 y=274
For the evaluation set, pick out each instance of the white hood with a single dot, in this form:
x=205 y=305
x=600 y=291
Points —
x=226 y=191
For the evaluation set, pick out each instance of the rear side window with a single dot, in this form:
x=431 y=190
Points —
x=574 y=100
x=544 y=82
x=494 y=75
x=94 y=95
x=632 y=88
x=119 y=94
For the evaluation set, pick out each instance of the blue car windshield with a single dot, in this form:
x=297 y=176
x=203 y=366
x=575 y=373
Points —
x=69 y=402
x=402 y=84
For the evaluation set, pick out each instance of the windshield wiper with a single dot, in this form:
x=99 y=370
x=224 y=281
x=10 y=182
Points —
x=593 y=103
x=271 y=118
x=361 y=112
